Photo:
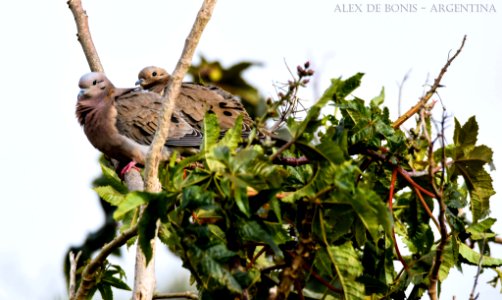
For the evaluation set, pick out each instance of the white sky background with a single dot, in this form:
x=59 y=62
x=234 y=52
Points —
x=48 y=164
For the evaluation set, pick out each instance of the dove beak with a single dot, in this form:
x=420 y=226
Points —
x=81 y=93
x=139 y=82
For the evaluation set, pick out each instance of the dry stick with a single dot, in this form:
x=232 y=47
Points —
x=84 y=35
x=144 y=282
x=72 y=287
x=88 y=275
x=431 y=91
x=132 y=178
x=472 y=296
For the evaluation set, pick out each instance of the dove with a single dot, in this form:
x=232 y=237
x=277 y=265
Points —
x=196 y=100
x=121 y=122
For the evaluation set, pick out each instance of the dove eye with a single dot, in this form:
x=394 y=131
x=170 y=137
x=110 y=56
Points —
x=154 y=73
x=94 y=82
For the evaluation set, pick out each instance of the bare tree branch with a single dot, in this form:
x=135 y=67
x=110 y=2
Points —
x=89 y=274
x=431 y=91
x=133 y=178
x=72 y=287
x=172 y=92
x=84 y=35
x=144 y=283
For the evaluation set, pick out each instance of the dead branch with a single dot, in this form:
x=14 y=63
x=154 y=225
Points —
x=72 y=287
x=431 y=92
x=89 y=274
x=84 y=35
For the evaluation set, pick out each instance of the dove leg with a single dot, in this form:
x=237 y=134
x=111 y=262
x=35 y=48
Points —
x=128 y=167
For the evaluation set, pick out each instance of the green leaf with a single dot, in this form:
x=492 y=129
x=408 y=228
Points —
x=211 y=135
x=348 y=268
x=448 y=261
x=105 y=291
x=233 y=136
x=466 y=136
x=116 y=282
x=479 y=230
x=110 y=195
x=475 y=258
x=132 y=201
x=254 y=232
x=156 y=209
x=210 y=263
x=378 y=100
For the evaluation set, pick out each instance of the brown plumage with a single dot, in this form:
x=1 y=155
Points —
x=195 y=100
x=121 y=122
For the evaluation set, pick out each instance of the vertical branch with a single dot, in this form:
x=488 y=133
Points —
x=144 y=282
x=172 y=92
x=72 y=287
x=132 y=178
x=84 y=35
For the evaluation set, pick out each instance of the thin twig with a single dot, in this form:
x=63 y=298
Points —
x=432 y=90
x=186 y=295
x=88 y=275
x=72 y=287
x=478 y=272
x=400 y=85
x=438 y=192
x=391 y=197
x=84 y=35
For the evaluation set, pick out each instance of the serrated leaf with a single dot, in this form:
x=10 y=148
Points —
x=475 y=258
x=348 y=268
x=132 y=201
x=467 y=135
x=211 y=267
x=110 y=195
x=378 y=100
x=448 y=260
x=233 y=136
x=479 y=230
x=211 y=135
x=254 y=232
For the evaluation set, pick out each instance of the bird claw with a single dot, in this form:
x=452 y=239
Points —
x=128 y=167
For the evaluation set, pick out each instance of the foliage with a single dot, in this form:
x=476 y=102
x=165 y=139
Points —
x=311 y=216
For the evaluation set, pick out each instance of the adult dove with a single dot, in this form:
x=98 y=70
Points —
x=121 y=122
x=196 y=100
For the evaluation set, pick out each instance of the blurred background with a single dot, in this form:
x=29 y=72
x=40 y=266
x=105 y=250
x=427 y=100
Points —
x=48 y=165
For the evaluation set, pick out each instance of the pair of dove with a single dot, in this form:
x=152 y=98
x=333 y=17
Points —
x=121 y=122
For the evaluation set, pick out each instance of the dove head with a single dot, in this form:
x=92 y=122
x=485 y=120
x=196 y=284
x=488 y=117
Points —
x=151 y=76
x=94 y=84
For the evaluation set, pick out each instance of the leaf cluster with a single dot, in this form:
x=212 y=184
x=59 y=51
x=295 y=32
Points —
x=245 y=218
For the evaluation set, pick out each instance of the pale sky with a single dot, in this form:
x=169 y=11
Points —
x=48 y=164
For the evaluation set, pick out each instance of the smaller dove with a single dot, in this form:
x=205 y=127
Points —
x=121 y=122
x=196 y=100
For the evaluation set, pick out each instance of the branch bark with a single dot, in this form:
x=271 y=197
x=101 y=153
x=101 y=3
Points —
x=84 y=35
x=144 y=282
x=437 y=83
x=88 y=275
